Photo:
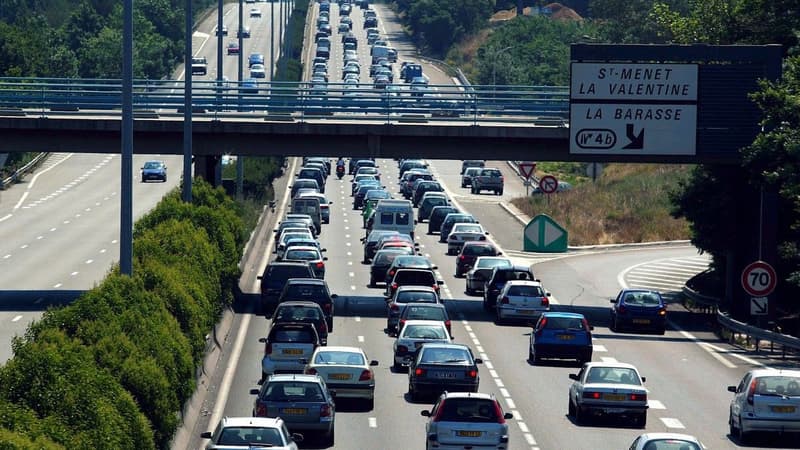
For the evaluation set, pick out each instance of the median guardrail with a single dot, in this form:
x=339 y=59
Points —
x=22 y=171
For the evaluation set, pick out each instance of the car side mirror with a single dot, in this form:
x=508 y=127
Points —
x=362 y=239
x=499 y=253
x=254 y=391
x=258 y=277
x=262 y=340
x=487 y=233
x=324 y=258
x=508 y=416
x=374 y=362
x=573 y=376
x=644 y=379
x=205 y=435
x=440 y=282
x=478 y=361
x=547 y=294
x=297 y=437
x=435 y=267
x=731 y=388
x=425 y=413
x=613 y=300
x=330 y=203
x=334 y=295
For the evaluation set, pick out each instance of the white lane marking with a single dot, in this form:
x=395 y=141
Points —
x=523 y=427
x=498 y=382
x=478 y=348
x=6 y=217
x=504 y=392
x=517 y=415
x=102 y=250
x=488 y=365
x=89 y=261
x=7 y=256
x=352 y=274
x=57 y=285
x=358 y=319
x=711 y=351
x=373 y=422
x=493 y=373
x=352 y=288
x=53 y=229
x=233 y=364
x=530 y=439
x=472 y=335
x=36 y=177
x=599 y=348
x=39 y=238
x=361 y=339
x=510 y=403
x=16 y=318
x=608 y=359
x=349 y=263
x=655 y=404
x=670 y=422
x=349 y=253
x=468 y=328
x=66 y=222
x=74 y=273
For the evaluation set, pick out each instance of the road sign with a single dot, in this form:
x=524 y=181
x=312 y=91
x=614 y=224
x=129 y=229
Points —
x=545 y=235
x=759 y=306
x=527 y=169
x=548 y=184
x=759 y=279
x=633 y=109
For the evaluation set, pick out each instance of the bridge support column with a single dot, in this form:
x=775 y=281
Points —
x=209 y=168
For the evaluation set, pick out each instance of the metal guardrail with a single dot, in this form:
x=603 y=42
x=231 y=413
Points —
x=20 y=173
x=522 y=105
x=751 y=333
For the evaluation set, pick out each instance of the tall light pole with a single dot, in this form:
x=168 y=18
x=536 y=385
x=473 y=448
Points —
x=271 y=40
x=495 y=55
x=126 y=179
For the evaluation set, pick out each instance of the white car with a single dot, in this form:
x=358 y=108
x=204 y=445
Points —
x=462 y=420
x=522 y=299
x=765 y=400
x=346 y=370
x=608 y=389
x=255 y=12
x=244 y=433
x=464 y=232
x=666 y=441
x=414 y=334
x=258 y=71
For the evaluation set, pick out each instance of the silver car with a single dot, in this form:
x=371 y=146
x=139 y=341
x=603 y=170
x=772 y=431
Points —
x=608 y=389
x=310 y=255
x=482 y=269
x=522 y=299
x=765 y=400
x=414 y=334
x=462 y=420
x=464 y=232
x=244 y=433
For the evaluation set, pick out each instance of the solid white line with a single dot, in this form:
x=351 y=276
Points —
x=16 y=319
x=6 y=217
x=225 y=384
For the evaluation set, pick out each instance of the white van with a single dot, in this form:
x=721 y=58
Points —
x=310 y=206
x=394 y=215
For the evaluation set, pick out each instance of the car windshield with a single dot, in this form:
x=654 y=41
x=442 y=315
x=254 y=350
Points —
x=424 y=313
x=243 y=436
x=469 y=410
x=152 y=165
x=526 y=291
x=287 y=236
x=778 y=386
x=670 y=444
x=563 y=323
x=437 y=355
x=417 y=278
x=305 y=255
x=613 y=375
x=293 y=391
x=286 y=272
x=424 y=332
x=339 y=358
x=385 y=258
x=478 y=250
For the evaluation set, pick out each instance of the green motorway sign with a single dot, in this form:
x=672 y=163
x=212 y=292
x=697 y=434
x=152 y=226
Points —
x=544 y=235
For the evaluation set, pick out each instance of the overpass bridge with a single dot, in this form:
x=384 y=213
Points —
x=262 y=119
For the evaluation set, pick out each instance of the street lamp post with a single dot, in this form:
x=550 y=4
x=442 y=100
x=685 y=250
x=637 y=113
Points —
x=495 y=55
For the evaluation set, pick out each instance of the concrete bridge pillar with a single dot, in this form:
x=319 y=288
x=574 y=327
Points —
x=209 y=168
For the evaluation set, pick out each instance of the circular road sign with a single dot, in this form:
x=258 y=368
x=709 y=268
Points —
x=548 y=184
x=759 y=279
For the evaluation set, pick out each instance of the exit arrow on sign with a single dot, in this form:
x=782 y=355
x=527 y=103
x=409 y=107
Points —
x=759 y=306
x=637 y=140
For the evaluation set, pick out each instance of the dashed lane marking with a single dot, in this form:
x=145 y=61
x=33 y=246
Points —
x=373 y=422
x=608 y=359
x=655 y=404
x=361 y=339
x=16 y=318
x=670 y=422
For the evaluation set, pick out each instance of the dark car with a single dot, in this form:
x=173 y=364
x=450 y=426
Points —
x=443 y=367
x=382 y=261
x=361 y=193
x=371 y=241
x=429 y=202
x=425 y=311
x=437 y=216
x=639 y=309
x=154 y=170
x=471 y=163
x=561 y=335
x=310 y=290
x=412 y=277
x=407 y=182
x=498 y=278
x=302 y=184
x=449 y=222
x=312 y=173
x=409 y=262
x=274 y=279
x=255 y=58
x=305 y=312
x=409 y=164
x=470 y=252
x=404 y=296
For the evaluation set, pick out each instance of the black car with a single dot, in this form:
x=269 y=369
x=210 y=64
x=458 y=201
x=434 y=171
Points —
x=408 y=262
x=423 y=187
x=497 y=280
x=274 y=279
x=438 y=213
x=371 y=241
x=361 y=193
x=310 y=290
x=381 y=263
x=305 y=312
x=312 y=173
x=442 y=367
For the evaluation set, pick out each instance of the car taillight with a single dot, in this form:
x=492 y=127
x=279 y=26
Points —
x=447 y=325
x=472 y=373
x=365 y=375
x=436 y=287
x=394 y=286
x=462 y=258
x=662 y=312
x=752 y=391
x=621 y=309
x=419 y=372
x=402 y=323
x=402 y=349
x=324 y=327
x=395 y=307
x=638 y=397
x=320 y=265
x=311 y=371
x=586 y=325
x=391 y=273
x=499 y=413
x=545 y=301
x=268 y=349
x=261 y=410
x=592 y=395
x=502 y=179
x=325 y=410
x=504 y=300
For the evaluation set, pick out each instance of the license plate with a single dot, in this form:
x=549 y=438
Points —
x=642 y=321
x=467 y=433
x=294 y=411
x=782 y=409
x=566 y=337
x=444 y=375
x=292 y=351
x=339 y=376
x=614 y=397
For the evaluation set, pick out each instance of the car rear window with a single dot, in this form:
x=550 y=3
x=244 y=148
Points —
x=424 y=332
x=489 y=263
x=339 y=357
x=642 y=299
x=284 y=335
x=297 y=313
x=286 y=272
x=614 y=375
x=468 y=410
x=422 y=313
x=526 y=291
x=434 y=355
x=416 y=297
x=491 y=173
x=415 y=278
x=306 y=290
x=467 y=228
x=506 y=275
x=293 y=391
x=306 y=255
x=385 y=258
x=778 y=385
x=563 y=323
x=479 y=250
x=237 y=436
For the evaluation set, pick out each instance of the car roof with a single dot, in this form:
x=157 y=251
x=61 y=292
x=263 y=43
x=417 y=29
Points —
x=425 y=322
x=772 y=371
x=523 y=283
x=291 y=264
x=514 y=268
x=478 y=395
x=265 y=422
x=620 y=365
x=304 y=280
x=304 y=247
x=295 y=377
x=340 y=348
x=443 y=345
x=416 y=288
x=299 y=304
x=565 y=315
x=685 y=437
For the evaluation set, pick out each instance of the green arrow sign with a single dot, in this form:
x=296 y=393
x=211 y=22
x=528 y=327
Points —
x=543 y=234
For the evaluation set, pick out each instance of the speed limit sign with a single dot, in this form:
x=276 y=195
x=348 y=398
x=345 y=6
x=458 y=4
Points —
x=759 y=279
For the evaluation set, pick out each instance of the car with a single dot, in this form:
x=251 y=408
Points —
x=302 y=311
x=361 y=193
x=409 y=262
x=470 y=252
x=344 y=27
x=347 y=372
x=274 y=280
x=324 y=204
x=666 y=441
x=466 y=177
x=286 y=346
x=301 y=400
x=286 y=235
x=370 y=22
x=562 y=335
x=233 y=48
x=522 y=299
x=416 y=333
x=224 y=30
x=449 y=222
x=404 y=296
x=326 y=28
x=294 y=223
x=371 y=241
x=442 y=367
x=765 y=400
x=498 y=278
x=380 y=82
x=244 y=32
x=258 y=71
x=424 y=311
x=154 y=170
x=365 y=170
x=412 y=277
x=255 y=58
x=199 y=65
x=346 y=20
x=471 y=163
x=608 y=388
x=361 y=178
x=481 y=270
x=345 y=9
x=462 y=233
x=466 y=420
x=437 y=216
x=311 y=255
x=312 y=173
x=488 y=179
x=304 y=183
x=639 y=309
x=430 y=200
x=382 y=261
x=303 y=241
x=249 y=86
x=244 y=433
x=313 y=290
x=255 y=13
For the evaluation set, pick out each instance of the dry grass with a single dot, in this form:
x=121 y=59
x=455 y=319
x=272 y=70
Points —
x=628 y=203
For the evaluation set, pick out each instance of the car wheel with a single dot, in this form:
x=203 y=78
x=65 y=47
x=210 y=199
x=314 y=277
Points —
x=531 y=357
x=330 y=325
x=463 y=185
x=580 y=416
x=330 y=438
x=570 y=408
x=371 y=404
x=165 y=178
x=662 y=331
x=744 y=437
x=485 y=305
x=469 y=291
x=613 y=325
x=473 y=190
x=371 y=282
x=642 y=420
x=500 y=192
x=397 y=367
x=412 y=393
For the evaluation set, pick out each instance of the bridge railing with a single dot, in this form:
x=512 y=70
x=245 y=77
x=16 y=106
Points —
x=522 y=104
